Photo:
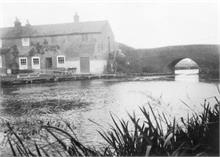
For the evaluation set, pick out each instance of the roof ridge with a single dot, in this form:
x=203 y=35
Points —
x=53 y=29
x=52 y=24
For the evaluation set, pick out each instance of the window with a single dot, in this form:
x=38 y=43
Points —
x=60 y=61
x=0 y=43
x=25 y=41
x=85 y=37
x=23 y=63
x=35 y=62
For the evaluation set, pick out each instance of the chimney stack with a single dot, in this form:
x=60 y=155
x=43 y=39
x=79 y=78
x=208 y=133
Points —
x=27 y=23
x=76 y=18
x=17 y=23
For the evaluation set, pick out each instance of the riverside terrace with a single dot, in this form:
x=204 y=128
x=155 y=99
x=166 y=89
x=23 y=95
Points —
x=62 y=76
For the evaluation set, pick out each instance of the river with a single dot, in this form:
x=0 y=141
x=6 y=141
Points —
x=99 y=98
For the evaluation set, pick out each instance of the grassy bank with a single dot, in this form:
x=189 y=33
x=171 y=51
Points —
x=197 y=135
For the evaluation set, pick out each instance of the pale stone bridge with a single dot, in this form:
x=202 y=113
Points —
x=163 y=60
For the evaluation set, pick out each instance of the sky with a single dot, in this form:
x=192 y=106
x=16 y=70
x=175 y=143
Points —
x=139 y=23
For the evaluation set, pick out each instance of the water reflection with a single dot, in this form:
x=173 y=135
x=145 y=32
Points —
x=191 y=75
x=102 y=97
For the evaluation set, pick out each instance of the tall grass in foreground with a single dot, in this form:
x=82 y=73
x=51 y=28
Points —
x=197 y=135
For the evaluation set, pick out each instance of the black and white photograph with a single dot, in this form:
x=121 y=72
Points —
x=109 y=78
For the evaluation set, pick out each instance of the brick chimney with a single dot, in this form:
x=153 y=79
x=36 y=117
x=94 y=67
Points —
x=76 y=18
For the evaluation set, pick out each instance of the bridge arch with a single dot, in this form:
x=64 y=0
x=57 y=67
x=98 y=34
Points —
x=175 y=64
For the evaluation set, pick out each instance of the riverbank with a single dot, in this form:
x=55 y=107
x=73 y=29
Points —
x=36 y=78
x=45 y=78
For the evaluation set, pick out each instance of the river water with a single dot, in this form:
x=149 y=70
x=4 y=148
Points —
x=99 y=98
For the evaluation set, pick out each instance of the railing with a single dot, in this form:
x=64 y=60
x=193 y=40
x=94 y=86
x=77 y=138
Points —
x=40 y=72
x=31 y=75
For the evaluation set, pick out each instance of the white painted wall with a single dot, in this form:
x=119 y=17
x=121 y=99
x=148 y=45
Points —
x=0 y=61
x=73 y=64
x=97 y=66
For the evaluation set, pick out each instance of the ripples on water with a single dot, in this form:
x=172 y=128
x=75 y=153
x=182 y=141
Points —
x=103 y=97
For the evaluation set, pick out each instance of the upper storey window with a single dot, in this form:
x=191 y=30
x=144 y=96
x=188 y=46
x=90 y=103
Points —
x=0 y=43
x=25 y=41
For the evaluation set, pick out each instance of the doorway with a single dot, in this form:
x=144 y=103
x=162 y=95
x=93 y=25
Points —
x=84 y=65
x=49 y=63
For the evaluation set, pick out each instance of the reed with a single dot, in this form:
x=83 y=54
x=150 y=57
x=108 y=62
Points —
x=197 y=135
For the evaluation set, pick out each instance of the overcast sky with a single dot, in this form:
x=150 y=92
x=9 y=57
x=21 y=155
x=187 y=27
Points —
x=140 y=24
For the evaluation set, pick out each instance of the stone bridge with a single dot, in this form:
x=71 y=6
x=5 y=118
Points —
x=163 y=60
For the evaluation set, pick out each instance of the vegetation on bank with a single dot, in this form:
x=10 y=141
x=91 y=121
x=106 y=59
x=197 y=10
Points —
x=16 y=107
x=197 y=135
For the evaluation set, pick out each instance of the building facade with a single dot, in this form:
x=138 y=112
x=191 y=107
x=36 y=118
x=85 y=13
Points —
x=81 y=47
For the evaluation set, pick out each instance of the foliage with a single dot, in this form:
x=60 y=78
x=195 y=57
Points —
x=130 y=63
x=50 y=139
x=38 y=48
x=198 y=135
x=14 y=50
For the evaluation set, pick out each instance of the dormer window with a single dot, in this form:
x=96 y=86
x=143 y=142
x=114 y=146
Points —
x=25 y=41
x=0 y=43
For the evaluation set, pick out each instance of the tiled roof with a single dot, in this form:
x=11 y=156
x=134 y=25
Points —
x=52 y=29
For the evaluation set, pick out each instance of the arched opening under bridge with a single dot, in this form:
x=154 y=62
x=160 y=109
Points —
x=186 y=69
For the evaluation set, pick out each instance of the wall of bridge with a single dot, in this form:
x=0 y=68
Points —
x=163 y=60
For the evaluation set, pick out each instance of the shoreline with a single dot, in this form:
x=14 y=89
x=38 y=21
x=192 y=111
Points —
x=47 y=78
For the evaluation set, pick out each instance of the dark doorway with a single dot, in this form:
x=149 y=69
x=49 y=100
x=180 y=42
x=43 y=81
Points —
x=49 y=62
x=84 y=65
